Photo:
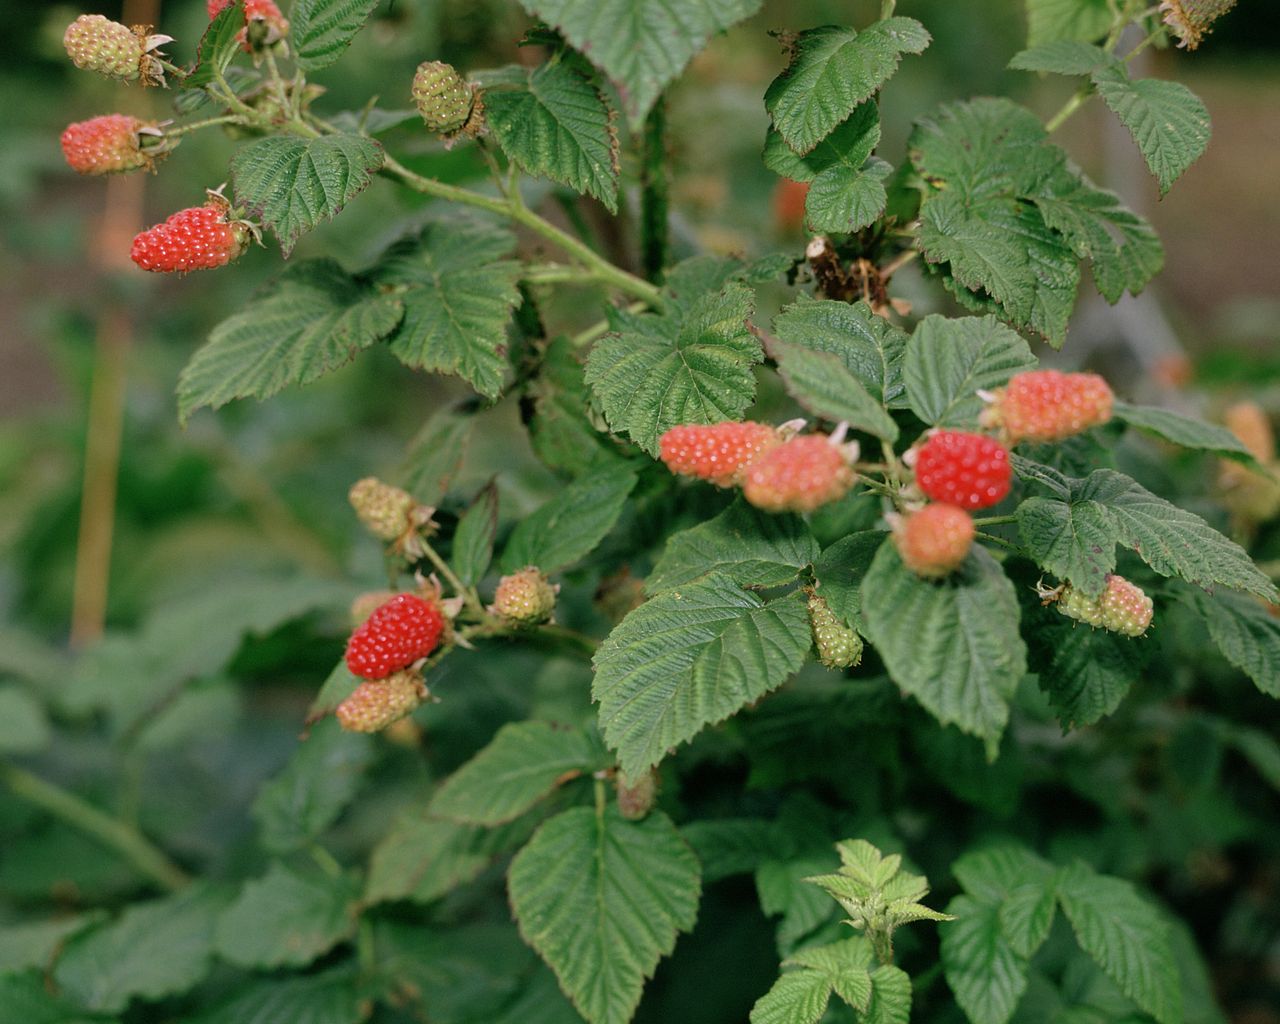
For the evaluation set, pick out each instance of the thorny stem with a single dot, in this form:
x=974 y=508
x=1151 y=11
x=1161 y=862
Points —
x=125 y=840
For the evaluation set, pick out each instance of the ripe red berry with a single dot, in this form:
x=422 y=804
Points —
x=105 y=145
x=1047 y=405
x=719 y=452
x=968 y=470
x=199 y=238
x=396 y=635
x=378 y=703
x=935 y=540
x=788 y=205
x=798 y=475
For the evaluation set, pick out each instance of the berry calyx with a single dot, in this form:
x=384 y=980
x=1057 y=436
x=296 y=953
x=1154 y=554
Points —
x=376 y=704
x=1122 y=607
x=967 y=470
x=398 y=633
x=1190 y=20
x=718 y=453
x=525 y=598
x=110 y=144
x=198 y=238
x=934 y=541
x=838 y=646
x=448 y=105
x=386 y=511
x=1048 y=405
x=95 y=43
x=798 y=475
x=264 y=24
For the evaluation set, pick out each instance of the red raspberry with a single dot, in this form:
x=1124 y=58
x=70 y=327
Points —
x=105 y=145
x=718 y=453
x=525 y=597
x=788 y=205
x=199 y=238
x=1047 y=405
x=798 y=475
x=968 y=470
x=216 y=7
x=934 y=541
x=396 y=635
x=378 y=703
x=95 y=43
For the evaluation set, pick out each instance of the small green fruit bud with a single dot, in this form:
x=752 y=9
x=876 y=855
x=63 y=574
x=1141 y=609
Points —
x=444 y=99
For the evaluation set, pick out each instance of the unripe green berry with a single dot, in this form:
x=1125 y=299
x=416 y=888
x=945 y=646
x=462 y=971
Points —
x=1121 y=608
x=384 y=509
x=525 y=598
x=443 y=97
x=378 y=703
x=838 y=645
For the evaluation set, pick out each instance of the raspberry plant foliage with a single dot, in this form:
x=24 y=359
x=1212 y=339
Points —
x=695 y=618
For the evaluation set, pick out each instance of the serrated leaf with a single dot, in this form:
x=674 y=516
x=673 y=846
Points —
x=1026 y=915
x=557 y=125
x=991 y=873
x=641 y=45
x=569 y=526
x=783 y=889
x=24 y=727
x=953 y=645
x=316 y=785
x=435 y=455
x=690 y=657
x=308 y=322
x=870 y=347
x=832 y=71
x=35 y=943
x=25 y=999
x=797 y=997
x=1185 y=431
x=152 y=950
x=472 y=549
x=753 y=548
x=458 y=292
x=292 y=184
x=561 y=429
x=986 y=975
x=841 y=569
x=983 y=148
x=1061 y=57
x=1075 y=535
x=331 y=997
x=1090 y=670
x=1085 y=20
x=728 y=846
x=1166 y=119
x=661 y=371
x=1246 y=633
x=948 y=361
x=601 y=900
x=422 y=859
x=890 y=996
x=523 y=763
x=320 y=30
x=849 y=145
x=1125 y=936
x=821 y=384
x=287 y=918
x=217 y=48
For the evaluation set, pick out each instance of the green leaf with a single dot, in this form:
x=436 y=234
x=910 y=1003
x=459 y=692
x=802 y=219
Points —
x=458 y=294
x=821 y=384
x=319 y=781
x=287 y=918
x=949 y=361
x=320 y=30
x=783 y=887
x=1074 y=535
x=422 y=859
x=1084 y=20
x=152 y=950
x=473 y=540
x=310 y=321
x=569 y=526
x=661 y=371
x=641 y=45
x=983 y=148
x=337 y=687
x=1257 y=747
x=689 y=658
x=1166 y=119
x=331 y=997
x=890 y=996
x=601 y=900
x=524 y=763
x=1126 y=936
x=954 y=644
x=36 y=943
x=1246 y=633
x=753 y=548
x=832 y=71
x=869 y=346
x=217 y=48
x=986 y=975
x=728 y=846
x=557 y=125
x=25 y=999
x=435 y=455
x=797 y=997
x=1185 y=431
x=24 y=727
x=1026 y=916
x=1090 y=670
x=561 y=429
x=1020 y=885
x=1062 y=57
x=845 y=964
x=841 y=569
x=848 y=146
x=292 y=184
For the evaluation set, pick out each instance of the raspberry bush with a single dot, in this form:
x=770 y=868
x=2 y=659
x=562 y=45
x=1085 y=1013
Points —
x=793 y=586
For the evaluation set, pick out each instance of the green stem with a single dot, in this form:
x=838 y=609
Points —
x=277 y=82
x=128 y=842
x=655 y=238
x=601 y=327
x=571 y=638
x=208 y=122
x=461 y=589
x=556 y=273
x=328 y=863
x=173 y=69
x=995 y=520
x=992 y=538
x=229 y=97
x=1076 y=101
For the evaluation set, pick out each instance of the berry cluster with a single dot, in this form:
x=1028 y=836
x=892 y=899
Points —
x=198 y=238
x=1122 y=607
x=1048 y=405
